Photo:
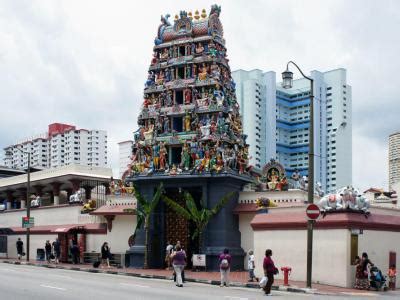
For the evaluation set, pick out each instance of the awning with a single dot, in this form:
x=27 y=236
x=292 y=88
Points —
x=116 y=209
x=5 y=231
x=247 y=208
x=94 y=228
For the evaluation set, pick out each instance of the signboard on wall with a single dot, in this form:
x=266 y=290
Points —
x=28 y=222
x=199 y=260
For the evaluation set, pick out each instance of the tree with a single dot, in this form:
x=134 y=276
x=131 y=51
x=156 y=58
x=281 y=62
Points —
x=144 y=210
x=200 y=217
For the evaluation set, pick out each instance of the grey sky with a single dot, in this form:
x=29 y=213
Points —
x=85 y=62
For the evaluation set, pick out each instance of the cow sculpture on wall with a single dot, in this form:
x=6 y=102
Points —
x=345 y=199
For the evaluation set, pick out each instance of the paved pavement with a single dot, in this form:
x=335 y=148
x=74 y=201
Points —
x=20 y=282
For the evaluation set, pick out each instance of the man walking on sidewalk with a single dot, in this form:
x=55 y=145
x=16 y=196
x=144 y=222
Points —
x=20 y=248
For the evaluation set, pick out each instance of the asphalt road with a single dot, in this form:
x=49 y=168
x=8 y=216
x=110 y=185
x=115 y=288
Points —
x=20 y=282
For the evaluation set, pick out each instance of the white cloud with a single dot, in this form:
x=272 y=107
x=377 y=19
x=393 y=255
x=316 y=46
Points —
x=85 y=62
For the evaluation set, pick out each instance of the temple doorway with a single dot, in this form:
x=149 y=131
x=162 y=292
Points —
x=177 y=227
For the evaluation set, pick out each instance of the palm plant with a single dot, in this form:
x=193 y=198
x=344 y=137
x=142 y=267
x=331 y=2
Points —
x=200 y=217
x=144 y=210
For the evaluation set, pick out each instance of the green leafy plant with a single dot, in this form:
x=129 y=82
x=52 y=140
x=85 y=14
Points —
x=144 y=210
x=200 y=217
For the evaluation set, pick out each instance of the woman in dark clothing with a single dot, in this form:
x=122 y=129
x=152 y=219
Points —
x=269 y=271
x=363 y=282
x=75 y=252
x=105 y=254
x=47 y=248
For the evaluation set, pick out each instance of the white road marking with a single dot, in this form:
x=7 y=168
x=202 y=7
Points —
x=62 y=276
x=235 y=298
x=53 y=287
x=135 y=285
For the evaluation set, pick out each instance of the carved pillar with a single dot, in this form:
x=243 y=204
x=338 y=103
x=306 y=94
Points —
x=82 y=245
x=22 y=197
x=38 y=190
x=88 y=192
x=107 y=187
x=109 y=219
x=9 y=199
x=75 y=185
x=56 y=192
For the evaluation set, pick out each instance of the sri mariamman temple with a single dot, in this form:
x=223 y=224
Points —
x=190 y=133
x=189 y=121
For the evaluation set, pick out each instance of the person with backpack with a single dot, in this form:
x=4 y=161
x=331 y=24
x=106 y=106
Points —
x=269 y=271
x=47 y=249
x=224 y=267
x=20 y=248
x=179 y=262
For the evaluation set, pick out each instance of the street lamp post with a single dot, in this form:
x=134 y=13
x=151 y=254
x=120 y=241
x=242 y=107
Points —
x=28 y=202
x=287 y=82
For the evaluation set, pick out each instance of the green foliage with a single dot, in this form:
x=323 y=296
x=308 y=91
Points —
x=190 y=212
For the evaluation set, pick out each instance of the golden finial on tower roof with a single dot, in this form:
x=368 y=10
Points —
x=203 y=13
x=190 y=15
x=196 y=15
x=176 y=17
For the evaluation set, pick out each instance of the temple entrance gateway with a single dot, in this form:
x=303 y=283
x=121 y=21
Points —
x=177 y=227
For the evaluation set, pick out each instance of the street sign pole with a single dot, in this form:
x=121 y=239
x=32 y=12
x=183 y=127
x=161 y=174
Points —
x=313 y=212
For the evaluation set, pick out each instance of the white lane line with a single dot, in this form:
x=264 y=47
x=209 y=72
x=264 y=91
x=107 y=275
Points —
x=235 y=298
x=53 y=287
x=135 y=285
x=8 y=270
x=62 y=276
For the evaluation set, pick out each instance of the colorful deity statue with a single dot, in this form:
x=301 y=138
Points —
x=164 y=54
x=187 y=122
x=219 y=164
x=188 y=96
x=163 y=156
x=203 y=74
x=156 y=156
x=169 y=98
x=199 y=48
x=185 y=157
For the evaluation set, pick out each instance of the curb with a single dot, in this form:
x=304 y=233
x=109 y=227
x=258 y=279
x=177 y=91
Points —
x=149 y=276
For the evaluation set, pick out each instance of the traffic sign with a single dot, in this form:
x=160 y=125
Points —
x=28 y=222
x=313 y=212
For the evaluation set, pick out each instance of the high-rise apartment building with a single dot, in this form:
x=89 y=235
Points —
x=125 y=154
x=277 y=122
x=62 y=145
x=394 y=159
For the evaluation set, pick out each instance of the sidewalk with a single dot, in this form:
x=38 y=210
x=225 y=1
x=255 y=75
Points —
x=238 y=279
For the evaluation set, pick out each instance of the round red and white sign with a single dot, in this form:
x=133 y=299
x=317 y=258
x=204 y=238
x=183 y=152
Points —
x=313 y=211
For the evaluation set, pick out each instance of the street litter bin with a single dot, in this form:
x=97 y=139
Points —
x=40 y=254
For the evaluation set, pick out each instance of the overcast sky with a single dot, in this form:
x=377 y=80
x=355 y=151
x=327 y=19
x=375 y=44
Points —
x=85 y=62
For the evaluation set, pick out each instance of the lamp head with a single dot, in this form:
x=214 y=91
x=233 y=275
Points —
x=287 y=79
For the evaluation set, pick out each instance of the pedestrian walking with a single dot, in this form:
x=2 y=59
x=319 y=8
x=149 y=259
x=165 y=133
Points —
x=168 y=253
x=105 y=254
x=269 y=271
x=362 y=282
x=225 y=267
x=57 y=250
x=20 y=248
x=251 y=266
x=392 y=273
x=47 y=249
x=179 y=262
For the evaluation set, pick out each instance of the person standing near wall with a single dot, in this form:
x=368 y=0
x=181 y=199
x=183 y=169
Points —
x=392 y=273
x=105 y=254
x=269 y=271
x=20 y=248
x=225 y=267
x=75 y=252
x=57 y=250
x=47 y=249
x=251 y=266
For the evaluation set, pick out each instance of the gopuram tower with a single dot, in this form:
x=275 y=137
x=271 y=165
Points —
x=190 y=138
